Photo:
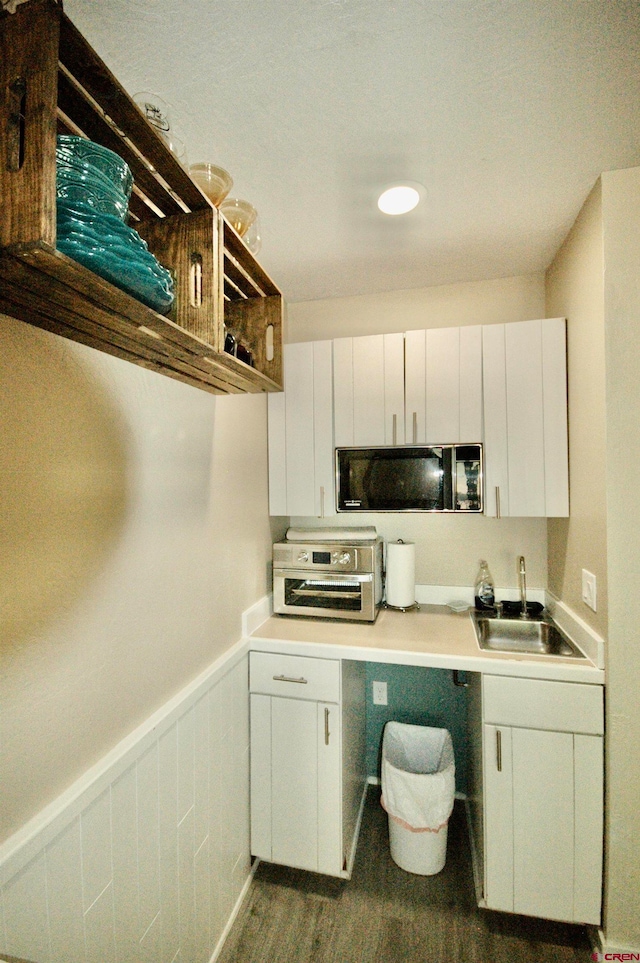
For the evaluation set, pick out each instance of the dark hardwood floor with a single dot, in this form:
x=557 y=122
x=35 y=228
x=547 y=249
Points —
x=384 y=915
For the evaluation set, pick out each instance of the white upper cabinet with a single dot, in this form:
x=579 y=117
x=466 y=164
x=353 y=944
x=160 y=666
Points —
x=369 y=390
x=443 y=389
x=501 y=384
x=525 y=418
x=301 y=474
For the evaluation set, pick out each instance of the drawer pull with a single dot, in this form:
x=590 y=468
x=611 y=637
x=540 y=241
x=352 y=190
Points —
x=499 y=750
x=287 y=678
x=326 y=727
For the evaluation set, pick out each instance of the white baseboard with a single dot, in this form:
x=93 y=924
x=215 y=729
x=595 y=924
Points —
x=356 y=835
x=478 y=882
x=234 y=912
x=614 y=951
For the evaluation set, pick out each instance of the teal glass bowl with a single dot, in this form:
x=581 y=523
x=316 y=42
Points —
x=102 y=243
x=89 y=174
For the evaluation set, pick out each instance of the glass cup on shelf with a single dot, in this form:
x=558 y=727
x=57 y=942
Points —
x=177 y=147
x=240 y=214
x=253 y=237
x=157 y=112
x=213 y=181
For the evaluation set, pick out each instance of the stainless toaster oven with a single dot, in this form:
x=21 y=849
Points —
x=332 y=580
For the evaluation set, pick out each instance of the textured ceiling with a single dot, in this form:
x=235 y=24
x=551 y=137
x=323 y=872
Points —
x=505 y=110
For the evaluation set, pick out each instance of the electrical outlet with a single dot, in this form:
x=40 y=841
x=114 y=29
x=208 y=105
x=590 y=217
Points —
x=380 y=693
x=589 y=589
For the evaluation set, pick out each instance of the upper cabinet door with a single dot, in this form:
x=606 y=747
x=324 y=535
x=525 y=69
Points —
x=301 y=473
x=298 y=374
x=470 y=384
x=343 y=392
x=394 y=427
x=323 y=461
x=525 y=418
x=554 y=394
x=443 y=385
x=494 y=377
x=443 y=372
x=415 y=353
x=369 y=390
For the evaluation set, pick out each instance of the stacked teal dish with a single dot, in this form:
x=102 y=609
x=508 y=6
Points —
x=93 y=186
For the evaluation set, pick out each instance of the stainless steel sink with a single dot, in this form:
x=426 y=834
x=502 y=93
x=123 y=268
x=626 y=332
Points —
x=528 y=636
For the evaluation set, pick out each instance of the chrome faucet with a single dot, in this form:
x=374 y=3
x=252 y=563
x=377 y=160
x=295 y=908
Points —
x=522 y=578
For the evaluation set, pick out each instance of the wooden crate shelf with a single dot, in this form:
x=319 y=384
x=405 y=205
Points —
x=53 y=81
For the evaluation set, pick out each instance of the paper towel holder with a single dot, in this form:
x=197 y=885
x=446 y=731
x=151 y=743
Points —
x=401 y=608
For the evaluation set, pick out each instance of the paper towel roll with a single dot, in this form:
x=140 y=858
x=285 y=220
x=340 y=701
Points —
x=401 y=574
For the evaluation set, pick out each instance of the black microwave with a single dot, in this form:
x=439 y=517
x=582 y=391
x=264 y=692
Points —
x=410 y=478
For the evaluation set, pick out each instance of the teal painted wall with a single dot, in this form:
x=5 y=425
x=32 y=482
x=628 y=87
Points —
x=422 y=697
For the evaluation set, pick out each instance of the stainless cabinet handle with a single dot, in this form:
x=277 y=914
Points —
x=499 y=750
x=415 y=427
x=394 y=431
x=498 y=515
x=321 y=501
x=326 y=727
x=288 y=678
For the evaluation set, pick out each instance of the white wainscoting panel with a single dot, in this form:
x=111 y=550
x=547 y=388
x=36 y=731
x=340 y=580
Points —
x=148 y=858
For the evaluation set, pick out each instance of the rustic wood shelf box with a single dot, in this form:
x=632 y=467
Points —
x=53 y=82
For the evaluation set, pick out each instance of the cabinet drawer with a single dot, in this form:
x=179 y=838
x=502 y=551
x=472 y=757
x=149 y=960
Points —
x=295 y=676
x=538 y=704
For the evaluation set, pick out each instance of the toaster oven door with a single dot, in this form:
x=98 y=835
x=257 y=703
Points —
x=324 y=594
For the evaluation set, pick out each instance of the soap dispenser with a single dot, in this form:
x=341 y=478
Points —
x=484 y=589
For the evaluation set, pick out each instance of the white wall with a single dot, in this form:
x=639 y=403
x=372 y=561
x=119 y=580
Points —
x=443 y=306
x=134 y=532
x=575 y=290
x=447 y=549
x=594 y=281
x=621 y=224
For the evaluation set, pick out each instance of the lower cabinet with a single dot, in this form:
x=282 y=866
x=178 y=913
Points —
x=307 y=760
x=542 y=755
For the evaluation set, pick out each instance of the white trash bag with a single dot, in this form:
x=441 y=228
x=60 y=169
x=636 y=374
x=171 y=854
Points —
x=418 y=790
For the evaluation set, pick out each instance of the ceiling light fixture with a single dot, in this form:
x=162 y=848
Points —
x=399 y=199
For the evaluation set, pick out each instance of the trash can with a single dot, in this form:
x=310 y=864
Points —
x=418 y=789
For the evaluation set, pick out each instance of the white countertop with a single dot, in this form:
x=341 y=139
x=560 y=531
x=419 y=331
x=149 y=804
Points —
x=433 y=637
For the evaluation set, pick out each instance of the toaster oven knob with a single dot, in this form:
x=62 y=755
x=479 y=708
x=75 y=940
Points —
x=303 y=557
x=345 y=558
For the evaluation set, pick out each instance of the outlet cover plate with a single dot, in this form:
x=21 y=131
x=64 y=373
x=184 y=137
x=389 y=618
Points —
x=380 y=693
